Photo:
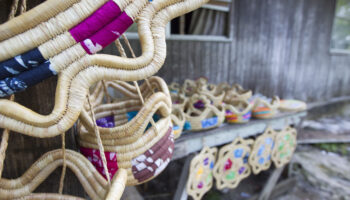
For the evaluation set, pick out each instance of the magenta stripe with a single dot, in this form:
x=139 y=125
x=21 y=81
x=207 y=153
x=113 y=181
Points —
x=108 y=34
x=102 y=16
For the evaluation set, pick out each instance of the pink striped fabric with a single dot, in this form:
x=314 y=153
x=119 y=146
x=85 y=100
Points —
x=102 y=16
x=108 y=34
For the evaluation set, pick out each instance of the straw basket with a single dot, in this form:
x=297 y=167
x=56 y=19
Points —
x=179 y=100
x=189 y=87
x=263 y=109
x=285 y=145
x=174 y=88
x=211 y=91
x=207 y=117
x=292 y=105
x=238 y=112
x=129 y=140
x=237 y=93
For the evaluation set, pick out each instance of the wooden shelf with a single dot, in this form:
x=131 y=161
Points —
x=190 y=142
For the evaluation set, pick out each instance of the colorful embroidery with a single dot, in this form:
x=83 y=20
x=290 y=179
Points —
x=93 y=155
x=232 y=165
x=21 y=63
x=237 y=118
x=20 y=82
x=286 y=142
x=260 y=158
x=154 y=160
x=210 y=122
x=108 y=34
x=201 y=178
x=102 y=16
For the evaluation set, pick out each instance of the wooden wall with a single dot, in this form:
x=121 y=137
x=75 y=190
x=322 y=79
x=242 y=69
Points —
x=278 y=47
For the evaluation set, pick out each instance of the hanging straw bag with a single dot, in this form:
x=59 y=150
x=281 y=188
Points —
x=128 y=139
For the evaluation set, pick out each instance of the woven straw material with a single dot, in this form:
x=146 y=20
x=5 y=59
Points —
x=178 y=120
x=207 y=118
x=75 y=80
x=47 y=30
x=285 y=145
x=238 y=112
x=200 y=178
x=48 y=196
x=260 y=158
x=237 y=93
x=131 y=139
x=292 y=105
x=35 y=16
x=189 y=87
x=174 y=87
x=179 y=100
x=93 y=183
x=232 y=164
x=263 y=109
x=211 y=91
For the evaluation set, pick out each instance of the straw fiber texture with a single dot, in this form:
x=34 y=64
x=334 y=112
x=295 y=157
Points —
x=74 y=80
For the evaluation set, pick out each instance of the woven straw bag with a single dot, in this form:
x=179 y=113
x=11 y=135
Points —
x=189 y=87
x=263 y=109
x=179 y=100
x=75 y=79
x=174 y=88
x=238 y=112
x=211 y=91
x=292 y=105
x=237 y=93
x=208 y=117
x=285 y=145
x=131 y=143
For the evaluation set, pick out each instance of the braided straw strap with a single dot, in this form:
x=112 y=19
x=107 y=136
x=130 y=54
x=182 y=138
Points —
x=74 y=82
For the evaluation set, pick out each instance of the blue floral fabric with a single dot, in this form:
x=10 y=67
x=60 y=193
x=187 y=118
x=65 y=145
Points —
x=25 y=79
x=21 y=63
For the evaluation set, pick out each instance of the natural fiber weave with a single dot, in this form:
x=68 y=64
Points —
x=131 y=140
x=200 y=178
x=263 y=109
x=174 y=88
x=93 y=183
x=285 y=145
x=238 y=111
x=75 y=80
x=35 y=16
x=237 y=93
x=291 y=105
x=232 y=164
x=260 y=157
x=189 y=87
x=178 y=120
x=179 y=100
x=210 y=90
x=206 y=118
x=47 y=30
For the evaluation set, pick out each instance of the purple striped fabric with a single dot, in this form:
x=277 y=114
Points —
x=102 y=16
x=108 y=34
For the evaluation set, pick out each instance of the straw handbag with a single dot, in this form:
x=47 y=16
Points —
x=129 y=141
x=237 y=93
x=75 y=79
x=179 y=100
x=260 y=157
x=208 y=117
x=178 y=119
x=264 y=109
x=232 y=164
x=211 y=91
x=200 y=178
x=238 y=112
x=285 y=145
x=174 y=88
